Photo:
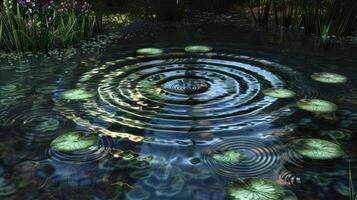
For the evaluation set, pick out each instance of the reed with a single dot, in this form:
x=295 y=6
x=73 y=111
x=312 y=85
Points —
x=324 y=18
x=352 y=194
x=31 y=26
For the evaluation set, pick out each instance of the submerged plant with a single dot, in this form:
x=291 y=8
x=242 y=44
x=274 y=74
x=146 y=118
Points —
x=198 y=49
x=255 y=189
x=318 y=149
x=317 y=105
x=6 y=188
x=279 y=93
x=78 y=94
x=229 y=156
x=150 y=51
x=73 y=141
x=47 y=124
x=325 y=77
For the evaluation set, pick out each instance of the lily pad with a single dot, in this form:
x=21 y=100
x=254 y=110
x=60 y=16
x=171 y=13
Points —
x=318 y=149
x=230 y=156
x=317 y=105
x=279 y=93
x=331 y=78
x=78 y=94
x=150 y=51
x=256 y=189
x=73 y=141
x=198 y=49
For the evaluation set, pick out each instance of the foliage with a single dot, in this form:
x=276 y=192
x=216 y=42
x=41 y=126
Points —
x=117 y=19
x=318 y=149
x=330 y=78
x=352 y=194
x=255 y=189
x=229 y=156
x=73 y=141
x=32 y=25
x=321 y=17
x=279 y=93
x=78 y=94
x=198 y=49
x=317 y=105
x=260 y=10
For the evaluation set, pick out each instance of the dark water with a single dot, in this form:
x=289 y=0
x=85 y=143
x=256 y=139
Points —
x=159 y=118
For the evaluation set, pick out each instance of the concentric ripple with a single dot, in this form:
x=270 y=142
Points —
x=179 y=92
x=260 y=157
x=38 y=124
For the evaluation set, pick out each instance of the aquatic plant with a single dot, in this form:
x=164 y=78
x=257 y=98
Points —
x=332 y=78
x=317 y=105
x=260 y=10
x=73 y=141
x=117 y=19
x=352 y=195
x=279 y=93
x=255 y=189
x=318 y=149
x=150 y=51
x=229 y=156
x=6 y=188
x=78 y=94
x=198 y=49
x=36 y=25
x=323 y=18
x=47 y=124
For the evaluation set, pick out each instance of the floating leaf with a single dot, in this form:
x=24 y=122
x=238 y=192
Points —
x=78 y=94
x=317 y=105
x=318 y=149
x=279 y=93
x=331 y=78
x=230 y=156
x=150 y=51
x=198 y=49
x=73 y=141
x=256 y=189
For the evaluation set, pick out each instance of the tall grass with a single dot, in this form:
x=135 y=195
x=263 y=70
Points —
x=352 y=194
x=260 y=10
x=321 y=17
x=21 y=30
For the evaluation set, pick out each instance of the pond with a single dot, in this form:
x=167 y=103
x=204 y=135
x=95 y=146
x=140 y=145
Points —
x=182 y=112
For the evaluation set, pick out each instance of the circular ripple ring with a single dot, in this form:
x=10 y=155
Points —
x=260 y=157
x=175 y=93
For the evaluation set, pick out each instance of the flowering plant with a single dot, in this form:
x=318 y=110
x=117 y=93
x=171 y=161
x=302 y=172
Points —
x=40 y=24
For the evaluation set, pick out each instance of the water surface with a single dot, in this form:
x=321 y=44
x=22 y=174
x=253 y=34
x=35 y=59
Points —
x=159 y=118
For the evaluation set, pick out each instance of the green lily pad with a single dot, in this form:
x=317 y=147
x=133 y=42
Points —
x=317 y=105
x=256 y=189
x=230 y=156
x=331 y=78
x=73 y=141
x=318 y=149
x=198 y=49
x=279 y=93
x=150 y=51
x=78 y=94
